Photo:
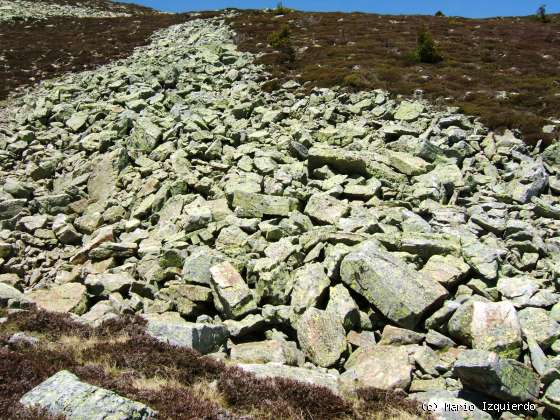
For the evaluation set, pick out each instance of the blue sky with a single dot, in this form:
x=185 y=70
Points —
x=468 y=8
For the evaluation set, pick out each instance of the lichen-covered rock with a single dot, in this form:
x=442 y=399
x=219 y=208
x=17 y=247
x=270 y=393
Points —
x=309 y=284
x=402 y=294
x=446 y=269
x=69 y=297
x=170 y=328
x=9 y=294
x=277 y=351
x=343 y=306
x=492 y=326
x=539 y=325
x=551 y=398
x=409 y=111
x=63 y=394
x=379 y=366
x=446 y=405
x=259 y=205
x=325 y=208
x=399 y=336
x=232 y=297
x=196 y=268
x=505 y=379
x=321 y=337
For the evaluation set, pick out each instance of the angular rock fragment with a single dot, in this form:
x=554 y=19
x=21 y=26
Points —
x=402 y=294
x=11 y=294
x=310 y=283
x=505 y=379
x=379 y=366
x=539 y=325
x=344 y=307
x=277 y=351
x=63 y=394
x=69 y=297
x=259 y=205
x=232 y=297
x=340 y=160
x=308 y=376
x=321 y=337
x=326 y=209
x=492 y=326
x=447 y=405
x=446 y=270
x=170 y=328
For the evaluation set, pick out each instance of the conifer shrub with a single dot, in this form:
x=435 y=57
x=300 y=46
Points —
x=281 y=40
x=281 y=10
x=426 y=49
x=541 y=14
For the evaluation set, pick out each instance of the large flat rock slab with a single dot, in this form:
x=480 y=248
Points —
x=65 y=395
x=69 y=297
x=399 y=292
x=170 y=328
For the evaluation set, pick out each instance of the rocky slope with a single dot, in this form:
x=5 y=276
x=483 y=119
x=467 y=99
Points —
x=348 y=240
x=13 y=10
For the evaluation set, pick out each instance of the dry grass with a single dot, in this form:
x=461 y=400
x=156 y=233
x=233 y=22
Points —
x=177 y=382
x=483 y=57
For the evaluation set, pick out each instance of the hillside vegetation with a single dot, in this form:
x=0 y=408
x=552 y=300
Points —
x=505 y=70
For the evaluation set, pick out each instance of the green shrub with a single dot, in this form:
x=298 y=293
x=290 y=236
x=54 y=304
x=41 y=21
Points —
x=281 y=10
x=541 y=14
x=426 y=50
x=439 y=13
x=281 y=41
x=356 y=81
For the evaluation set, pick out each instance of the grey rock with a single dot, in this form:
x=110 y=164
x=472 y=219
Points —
x=170 y=328
x=63 y=394
x=309 y=284
x=380 y=367
x=492 y=326
x=399 y=336
x=326 y=209
x=276 y=351
x=505 y=379
x=446 y=405
x=232 y=296
x=538 y=324
x=380 y=278
x=69 y=297
x=321 y=337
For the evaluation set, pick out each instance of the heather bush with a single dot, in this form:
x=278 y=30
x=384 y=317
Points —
x=356 y=81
